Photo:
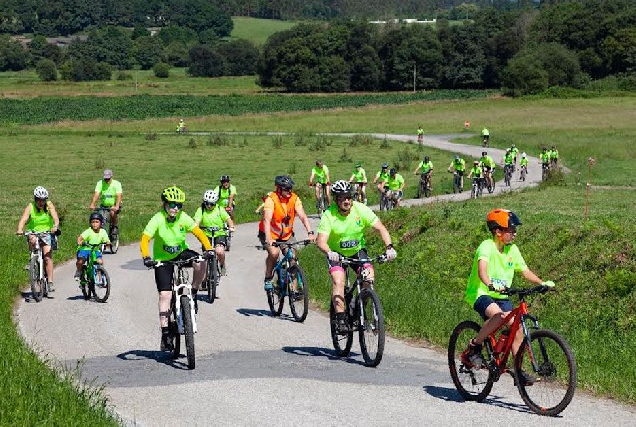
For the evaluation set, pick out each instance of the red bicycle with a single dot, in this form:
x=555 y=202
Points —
x=544 y=368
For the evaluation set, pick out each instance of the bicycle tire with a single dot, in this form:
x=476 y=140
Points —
x=86 y=293
x=341 y=342
x=228 y=242
x=274 y=298
x=211 y=278
x=553 y=356
x=176 y=338
x=507 y=177
x=491 y=188
x=37 y=285
x=427 y=191
x=114 y=243
x=473 y=192
x=472 y=384
x=371 y=332
x=101 y=284
x=188 y=330
x=299 y=300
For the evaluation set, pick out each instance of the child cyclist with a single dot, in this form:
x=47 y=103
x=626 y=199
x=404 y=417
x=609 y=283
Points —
x=93 y=235
x=494 y=265
x=212 y=219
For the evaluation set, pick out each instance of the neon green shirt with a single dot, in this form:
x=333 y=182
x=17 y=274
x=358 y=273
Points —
x=476 y=172
x=359 y=175
x=485 y=132
x=394 y=183
x=108 y=192
x=214 y=219
x=169 y=237
x=420 y=131
x=320 y=174
x=509 y=158
x=381 y=177
x=40 y=221
x=545 y=157
x=523 y=161
x=514 y=151
x=225 y=194
x=487 y=161
x=501 y=270
x=346 y=233
x=425 y=167
x=459 y=165
x=89 y=237
x=554 y=154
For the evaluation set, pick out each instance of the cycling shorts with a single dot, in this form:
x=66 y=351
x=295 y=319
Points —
x=85 y=254
x=484 y=301
x=488 y=168
x=218 y=240
x=460 y=173
x=164 y=273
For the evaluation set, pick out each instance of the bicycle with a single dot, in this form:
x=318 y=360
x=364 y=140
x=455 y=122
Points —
x=228 y=239
x=213 y=270
x=37 y=270
x=183 y=311
x=542 y=353
x=113 y=234
x=425 y=185
x=545 y=171
x=94 y=279
x=457 y=182
x=507 y=174
x=476 y=188
x=289 y=281
x=321 y=202
x=363 y=313
x=485 y=142
x=523 y=173
x=358 y=196
x=490 y=181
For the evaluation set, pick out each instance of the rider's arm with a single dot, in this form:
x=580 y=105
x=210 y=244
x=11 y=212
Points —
x=384 y=233
x=80 y=240
x=531 y=277
x=198 y=233
x=143 y=245
x=482 y=270
x=95 y=198
x=23 y=219
x=311 y=177
x=321 y=242
x=117 y=201
x=352 y=177
x=230 y=223
x=56 y=219
x=303 y=218
x=416 y=169
x=267 y=226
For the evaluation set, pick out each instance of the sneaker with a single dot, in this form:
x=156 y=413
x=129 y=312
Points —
x=223 y=271
x=77 y=275
x=166 y=343
x=472 y=358
x=51 y=287
x=268 y=286
x=526 y=378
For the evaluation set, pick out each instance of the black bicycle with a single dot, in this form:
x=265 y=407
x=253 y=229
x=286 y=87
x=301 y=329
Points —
x=476 y=188
x=425 y=185
x=457 y=182
x=508 y=174
x=363 y=313
x=113 y=232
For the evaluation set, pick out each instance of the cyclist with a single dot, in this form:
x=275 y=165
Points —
x=341 y=232
x=109 y=193
x=381 y=176
x=93 y=235
x=395 y=184
x=476 y=173
x=545 y=158
x=259 y=209
x=515 y=153
x=554 y=155
x=523 y=163
x=426 y=168
x=485 y=135
x=488 y=165
x=359 y=178
x=508 y=159
x=277 y=225
x=40 y=216
x=227 y=194
x=211 y=215
x=420 y=134
x=494 y=265
x=458 y=166
x=181 y=126
x=168 y=229
x=320 y=178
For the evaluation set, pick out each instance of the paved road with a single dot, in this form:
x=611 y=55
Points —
x=253 y=369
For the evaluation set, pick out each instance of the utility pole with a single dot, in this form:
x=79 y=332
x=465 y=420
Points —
x=414 y=74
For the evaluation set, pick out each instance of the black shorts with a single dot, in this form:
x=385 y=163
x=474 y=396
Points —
x=460 y=173
x=164 y=274
x=218 y=240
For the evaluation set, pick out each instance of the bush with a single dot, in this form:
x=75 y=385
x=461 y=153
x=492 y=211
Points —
x=85 y=69
x=161 y=70
x=205 y=62
x=122 y=75
x=46 y=70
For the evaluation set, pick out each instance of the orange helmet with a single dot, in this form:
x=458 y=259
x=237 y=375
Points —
x=502 y=218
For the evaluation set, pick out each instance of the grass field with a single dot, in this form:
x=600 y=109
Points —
x=258 y=30
x=592 y=262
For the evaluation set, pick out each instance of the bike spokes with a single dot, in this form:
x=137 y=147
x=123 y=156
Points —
x=371 y=327
x=472 y=383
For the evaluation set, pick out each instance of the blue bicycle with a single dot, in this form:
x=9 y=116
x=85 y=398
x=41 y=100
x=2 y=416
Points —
x=289 y=281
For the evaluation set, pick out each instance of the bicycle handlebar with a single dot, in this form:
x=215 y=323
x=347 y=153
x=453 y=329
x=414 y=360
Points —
x=286 y=245
x=179 y=262
x=350 y=260
x=524 y=292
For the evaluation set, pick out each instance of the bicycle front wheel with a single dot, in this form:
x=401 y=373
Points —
x=212 y=279
x=550 y=359
x=342 y=340
x=471 y=383
x=37 y=284
x=101 y=285
x=275 y=298
x=114 y=243
x=371 y=330
x=188 y=329
x=299 y=298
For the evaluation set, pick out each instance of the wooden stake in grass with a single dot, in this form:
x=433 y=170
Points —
x=590 y=163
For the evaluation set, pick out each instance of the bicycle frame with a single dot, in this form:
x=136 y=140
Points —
x=181 y=286
x=353 y=290
x=37 y=252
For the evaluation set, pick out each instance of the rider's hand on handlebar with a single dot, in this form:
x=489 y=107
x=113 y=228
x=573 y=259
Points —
x=496 y=288
x=548 y=283
x=391 y=254
x=232 y=229
x=333 y=256
x=149 y=262
x=208 y=254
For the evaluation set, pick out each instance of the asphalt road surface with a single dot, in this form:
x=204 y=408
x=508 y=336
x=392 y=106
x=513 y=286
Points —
x=254 y=369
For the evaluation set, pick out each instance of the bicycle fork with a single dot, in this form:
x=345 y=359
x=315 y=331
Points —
x=179 y=292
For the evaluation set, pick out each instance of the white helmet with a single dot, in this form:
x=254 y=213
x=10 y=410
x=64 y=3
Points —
x=340 y=187
x=40 y=193
x=210 y=196
x=523 y=154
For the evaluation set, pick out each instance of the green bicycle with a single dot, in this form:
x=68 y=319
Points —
x=94 y=280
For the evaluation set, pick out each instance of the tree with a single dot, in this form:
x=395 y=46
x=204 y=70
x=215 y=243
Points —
x=46 y=70
x=161 y=70
x=175 y=33
x=240 y=56
x=85 y=69
x=176 y=54
x=13 y=57
x=205 y=62
x=147 y=51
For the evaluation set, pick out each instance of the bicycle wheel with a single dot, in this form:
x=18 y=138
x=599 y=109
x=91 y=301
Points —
x=507 y=177
x=371 y=330
x=37 y=285
x=274 y=297
x=491 y=187
x=427 y=189
x=341 y=342
x=212 y=278
x=101 y=284
x=472 y=384
x=555 y=375
x=523 y=174
x=299 y=299
x=114 y=243
x=473 y=192
x=188 y=329
x=176 y=339
x=228 y=242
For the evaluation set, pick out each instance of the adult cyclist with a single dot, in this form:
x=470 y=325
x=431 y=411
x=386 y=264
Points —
x=40 y=216
x=515 y=154
x=168 y=229
x=277 y=225
x=359 y=179
x=458 y=166
x=488 y=165
x=341 y=233
x=523 y=163
x=420 y=134
x=554 y=156
x=381 y=176
x=109 y=193
x=508 y=160
x=485 y=136
x=227 y=195
x=395 y=184
x=426 y=169
x=320 y=179
x=212 y=219
x=476 y=173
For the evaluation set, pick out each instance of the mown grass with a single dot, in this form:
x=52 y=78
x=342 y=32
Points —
x=422 y=291
x=257 y=30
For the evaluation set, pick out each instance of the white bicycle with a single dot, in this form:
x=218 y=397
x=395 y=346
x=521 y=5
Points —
x=37 y=269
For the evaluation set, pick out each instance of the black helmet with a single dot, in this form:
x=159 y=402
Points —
x=426 y=159
x=225 y=178
x=284 y=182
x=484 y=153
x=95 y=215
x=385 y=165
x=393 y=171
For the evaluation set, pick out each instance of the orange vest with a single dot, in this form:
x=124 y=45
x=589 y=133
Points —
x=282 y=224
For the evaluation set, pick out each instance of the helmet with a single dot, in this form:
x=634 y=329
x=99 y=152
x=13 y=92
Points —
x=173 y=194
x=508 y=150
x=456 y=156
x=225 y=178
x=40 y=193
x=340 y=187
x=426 y=159
x=554 y=147
x=385 y=165
x=211 y=197
x=283 y=181
x=358 y=164
x=95 y=215
x=484 y=153
x=513 y=146
x=476 y=162
x=393 y=171
x=544 y=148
x=523 y=154
x=502 y=218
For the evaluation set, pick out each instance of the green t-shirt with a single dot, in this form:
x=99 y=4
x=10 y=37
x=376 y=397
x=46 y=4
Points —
x=485 y=132
x=320 y=174
x=108 y=192
x=346 y=233
x=501 y=269
x=425 y=167
x=89 y=237
x=514 y=151
x=40 y=221
x=459 y=165
x=476 y=172
x=381 y=177
x=509 y=158
x=225 y=194
x=523 y=161
x=420 y=131
x=554 y=154
x=545 y=157
x=487 y=161
x=394 y=183
x=169 y=237
x=214 y=219
x=359 y=175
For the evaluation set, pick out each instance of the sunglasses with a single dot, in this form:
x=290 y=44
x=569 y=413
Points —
x=343 y=198
x=285 y=188
x=173 y=205
x=208 y=204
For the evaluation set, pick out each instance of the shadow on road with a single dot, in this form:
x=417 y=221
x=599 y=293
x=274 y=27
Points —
x=443 y=393
x=134 y=264
x=322 y=352
x=260 y=312
x=157 y=356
